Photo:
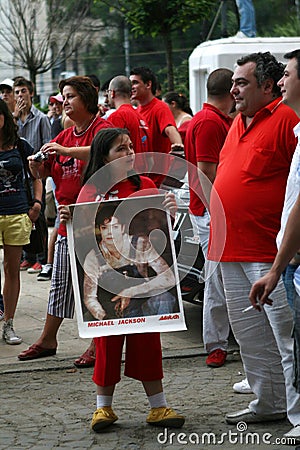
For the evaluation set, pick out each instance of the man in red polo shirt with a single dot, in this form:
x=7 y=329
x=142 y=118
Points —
x=250 y=188
x=204 y=139
x=164 y=136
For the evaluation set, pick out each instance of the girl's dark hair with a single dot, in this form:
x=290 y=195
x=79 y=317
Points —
x=180 y=100
x=101 y=145
x=85 y=89
x=10 y=129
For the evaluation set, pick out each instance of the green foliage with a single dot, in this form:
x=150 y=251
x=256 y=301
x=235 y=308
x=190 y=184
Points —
x=158 y=17
x=271 y=15
x=188 y=23
x=289 y=28
x=181 y=76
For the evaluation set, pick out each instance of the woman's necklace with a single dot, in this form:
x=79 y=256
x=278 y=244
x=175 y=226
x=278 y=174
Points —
x=85 y=130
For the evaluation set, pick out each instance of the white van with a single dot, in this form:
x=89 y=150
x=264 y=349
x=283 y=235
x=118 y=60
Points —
x=211 y=55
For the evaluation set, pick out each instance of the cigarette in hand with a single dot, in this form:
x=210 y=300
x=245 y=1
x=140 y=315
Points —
x=248 y=309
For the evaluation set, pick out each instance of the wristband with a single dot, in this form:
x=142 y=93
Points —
x=37 y=201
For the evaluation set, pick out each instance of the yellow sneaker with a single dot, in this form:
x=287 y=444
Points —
x=165 y=417
x=102 y=418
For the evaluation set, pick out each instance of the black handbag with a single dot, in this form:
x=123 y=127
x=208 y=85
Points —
x=38 y=234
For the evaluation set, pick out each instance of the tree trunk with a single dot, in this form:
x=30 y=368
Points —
x=169 y=59
x=32 y=75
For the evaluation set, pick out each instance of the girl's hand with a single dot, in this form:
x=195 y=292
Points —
x=170 y=203
x=64 y=213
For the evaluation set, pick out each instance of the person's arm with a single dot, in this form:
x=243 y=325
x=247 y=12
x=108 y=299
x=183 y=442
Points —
x=35 y=208
x=90 y=287
x=174 y=138
x=209 y=171
x=75 y=152
x=290 y=244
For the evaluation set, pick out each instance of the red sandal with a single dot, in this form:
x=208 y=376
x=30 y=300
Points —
x=87 y=359
x=36 y=351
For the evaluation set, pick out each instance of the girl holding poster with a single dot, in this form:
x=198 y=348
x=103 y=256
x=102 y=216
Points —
x=113 y=149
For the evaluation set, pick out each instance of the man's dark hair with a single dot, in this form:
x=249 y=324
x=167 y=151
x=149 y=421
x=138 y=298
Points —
x=294 y=54
x=219 y=83
x=146 y=75
x=21 y=81
x=267 y=67
x=85 y=89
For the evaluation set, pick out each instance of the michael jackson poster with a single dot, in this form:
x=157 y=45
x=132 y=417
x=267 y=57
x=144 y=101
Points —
x=123 y=265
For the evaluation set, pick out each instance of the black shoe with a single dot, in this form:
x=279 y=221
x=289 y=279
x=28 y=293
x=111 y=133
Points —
x=46 y=273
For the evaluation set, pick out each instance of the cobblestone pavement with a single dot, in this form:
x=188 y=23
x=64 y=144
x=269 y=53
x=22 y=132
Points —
x=47 y=404
x=49 y=409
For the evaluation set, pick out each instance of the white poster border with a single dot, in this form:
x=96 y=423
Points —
x=173 y=321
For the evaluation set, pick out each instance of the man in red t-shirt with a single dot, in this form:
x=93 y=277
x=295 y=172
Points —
x=246 y=201
x=126 y=116
x=164 y=136
x=204 y=139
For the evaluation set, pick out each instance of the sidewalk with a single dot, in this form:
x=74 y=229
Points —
x=48 y=404
x=30 y=318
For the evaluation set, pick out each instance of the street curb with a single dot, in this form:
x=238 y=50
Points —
x=54 y=363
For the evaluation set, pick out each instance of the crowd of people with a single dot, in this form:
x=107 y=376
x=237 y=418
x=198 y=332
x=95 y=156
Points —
x=243 y=172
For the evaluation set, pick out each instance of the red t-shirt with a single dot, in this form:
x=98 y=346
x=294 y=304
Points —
x=205 y=137
x=158 y=117
x=90 y=192
x=248 y=192
x=67 y=172
x=126 y=116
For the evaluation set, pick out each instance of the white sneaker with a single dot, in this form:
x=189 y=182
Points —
x=242 y=387
x=9 y=335
x=240 y=35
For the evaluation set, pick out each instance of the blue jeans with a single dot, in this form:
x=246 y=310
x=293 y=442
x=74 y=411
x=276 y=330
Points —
x=288 y=281
x=247 y=17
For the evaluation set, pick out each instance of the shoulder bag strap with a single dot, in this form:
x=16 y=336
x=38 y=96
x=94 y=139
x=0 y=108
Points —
x=20 y=147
